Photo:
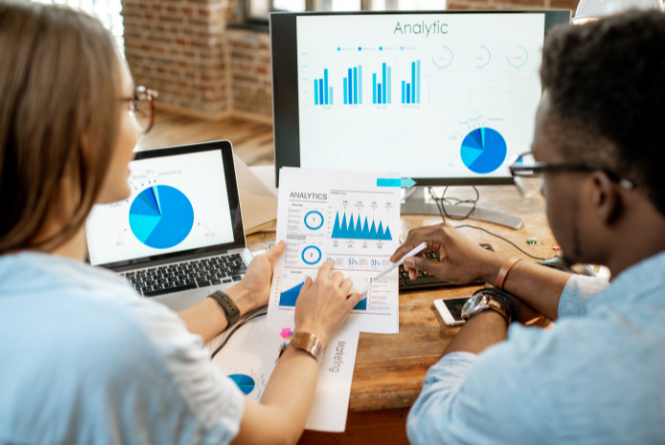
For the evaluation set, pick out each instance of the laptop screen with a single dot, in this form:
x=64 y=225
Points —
x=178 y=203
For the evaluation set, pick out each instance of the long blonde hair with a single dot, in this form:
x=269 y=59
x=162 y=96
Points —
x=59 y=117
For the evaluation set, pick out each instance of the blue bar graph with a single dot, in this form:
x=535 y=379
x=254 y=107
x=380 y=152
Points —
x=346 y=98
x=353 y=84
x=322 y=93
x=325 y=84
x=331 y=95
x=374 y=88
x=383 y=86
x=316 y=91
x=411 y=91
x=356 y=229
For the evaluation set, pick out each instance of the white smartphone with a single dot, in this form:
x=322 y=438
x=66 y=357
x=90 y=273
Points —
x=451 y=310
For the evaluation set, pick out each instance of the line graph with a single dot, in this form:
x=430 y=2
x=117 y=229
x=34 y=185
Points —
x=355 y=228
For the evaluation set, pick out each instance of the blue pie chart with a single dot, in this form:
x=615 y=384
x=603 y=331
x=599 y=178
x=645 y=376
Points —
x=161 y=216
x=244 y=382
x=483 y=150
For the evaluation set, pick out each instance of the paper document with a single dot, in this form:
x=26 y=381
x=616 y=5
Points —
x=333 y=389
x=250 y=356
x=350 y=218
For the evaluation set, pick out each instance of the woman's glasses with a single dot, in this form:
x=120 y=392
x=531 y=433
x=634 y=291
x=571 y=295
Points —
x=528 y=174
x=142 y=108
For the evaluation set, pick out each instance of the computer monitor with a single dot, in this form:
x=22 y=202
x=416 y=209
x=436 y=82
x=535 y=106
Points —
x=444 y=97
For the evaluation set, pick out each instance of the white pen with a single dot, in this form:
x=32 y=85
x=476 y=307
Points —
x=415 y=251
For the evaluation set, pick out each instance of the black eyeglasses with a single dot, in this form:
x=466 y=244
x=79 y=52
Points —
x=527 y=173
x=142 y=108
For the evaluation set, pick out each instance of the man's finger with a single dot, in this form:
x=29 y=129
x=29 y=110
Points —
x=324 y=270
x=423 y=265
x=410 y=244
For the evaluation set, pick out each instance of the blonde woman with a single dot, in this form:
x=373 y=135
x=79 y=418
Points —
x=83 y=359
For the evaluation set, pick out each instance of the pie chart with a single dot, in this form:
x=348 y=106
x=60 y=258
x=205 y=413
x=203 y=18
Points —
x=483 y=150
x=161 y=216
x=244 y=382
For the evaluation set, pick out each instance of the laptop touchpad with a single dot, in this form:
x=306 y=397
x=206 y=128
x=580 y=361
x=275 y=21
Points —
x=182 y=300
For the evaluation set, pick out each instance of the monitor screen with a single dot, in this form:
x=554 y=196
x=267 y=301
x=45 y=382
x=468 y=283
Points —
x=444 y=98
x=178 y=203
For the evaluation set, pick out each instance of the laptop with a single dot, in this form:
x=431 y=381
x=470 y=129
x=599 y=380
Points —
x=179 y=237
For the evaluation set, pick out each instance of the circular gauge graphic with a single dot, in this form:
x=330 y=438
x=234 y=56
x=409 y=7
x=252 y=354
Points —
x=483 y=150
x=311 y=255
x=244 y=382
x=313 y=220
x=443 y=56
x=482 y=56
x=161 y=216
x=518 y=56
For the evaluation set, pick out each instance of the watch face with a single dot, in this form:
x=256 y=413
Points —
x=475 y=303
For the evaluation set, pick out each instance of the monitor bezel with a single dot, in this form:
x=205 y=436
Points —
x=284 y=57
x=226 y=152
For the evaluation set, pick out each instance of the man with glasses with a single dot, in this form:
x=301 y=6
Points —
x=598 y=152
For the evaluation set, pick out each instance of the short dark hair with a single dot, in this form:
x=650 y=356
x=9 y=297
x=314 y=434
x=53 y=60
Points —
x=608 y=78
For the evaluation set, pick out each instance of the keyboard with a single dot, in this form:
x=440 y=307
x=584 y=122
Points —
x=187 y=275
x=427 y=281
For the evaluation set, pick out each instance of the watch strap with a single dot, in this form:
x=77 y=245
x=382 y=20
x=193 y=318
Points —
x=503 y=272
x=228 y=306
x=309 y=343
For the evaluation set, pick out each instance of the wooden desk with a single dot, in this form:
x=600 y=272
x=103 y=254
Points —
x=390 y=369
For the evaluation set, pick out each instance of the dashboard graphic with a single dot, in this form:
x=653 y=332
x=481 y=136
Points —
x=161 y=216
x=483 y=150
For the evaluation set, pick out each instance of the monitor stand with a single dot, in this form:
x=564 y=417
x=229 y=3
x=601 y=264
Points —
x=414 y=203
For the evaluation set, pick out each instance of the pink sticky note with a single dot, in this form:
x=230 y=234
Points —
x=286 y=332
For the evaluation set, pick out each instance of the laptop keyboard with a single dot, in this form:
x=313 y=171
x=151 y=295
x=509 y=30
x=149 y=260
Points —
x=187 y=275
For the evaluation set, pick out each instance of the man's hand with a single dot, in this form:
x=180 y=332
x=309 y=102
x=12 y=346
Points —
x=462 y=260
x=255 y=285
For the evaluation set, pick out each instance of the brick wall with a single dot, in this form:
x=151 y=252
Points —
x=183 y=49
x=250 y=71
x=178 y=47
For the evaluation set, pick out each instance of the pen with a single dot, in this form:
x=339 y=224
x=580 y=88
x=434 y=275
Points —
x=415 y=251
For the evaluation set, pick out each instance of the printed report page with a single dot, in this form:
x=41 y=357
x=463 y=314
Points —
x=349 y=218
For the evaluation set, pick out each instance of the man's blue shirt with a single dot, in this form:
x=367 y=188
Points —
x=598 y=376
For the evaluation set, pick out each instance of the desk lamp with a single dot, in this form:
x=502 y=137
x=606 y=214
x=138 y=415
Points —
x=590 y=10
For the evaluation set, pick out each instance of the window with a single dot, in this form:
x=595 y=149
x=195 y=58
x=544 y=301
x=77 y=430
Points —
x=107 y=11
x=258 y=10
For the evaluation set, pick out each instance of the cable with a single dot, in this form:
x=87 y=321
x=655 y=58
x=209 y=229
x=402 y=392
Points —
x=462 y=226
x=250 y=316
x=440 y=203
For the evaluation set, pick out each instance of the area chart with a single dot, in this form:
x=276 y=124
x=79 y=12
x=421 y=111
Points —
x=355 y=229
x=483 y=150
x=161 y=217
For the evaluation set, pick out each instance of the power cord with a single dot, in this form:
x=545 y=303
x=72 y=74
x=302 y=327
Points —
x=441 y=201
x=252 y=315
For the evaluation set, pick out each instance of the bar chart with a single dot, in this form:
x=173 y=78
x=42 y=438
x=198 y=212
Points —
x=323 y=94
x=411 y=90
x=353 y=86
x=381 y=91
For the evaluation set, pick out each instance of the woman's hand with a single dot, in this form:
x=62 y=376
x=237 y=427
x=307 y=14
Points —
x=255 y=285
x=462 y=260
x=324 y=303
